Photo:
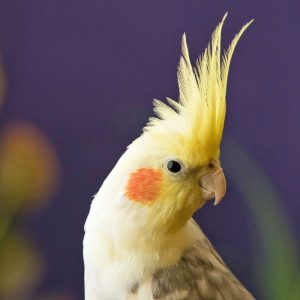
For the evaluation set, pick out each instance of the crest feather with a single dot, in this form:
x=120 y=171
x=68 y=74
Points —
x=201 y=108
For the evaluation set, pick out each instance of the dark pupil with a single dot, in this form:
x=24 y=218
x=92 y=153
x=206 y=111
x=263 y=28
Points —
x=174 y=166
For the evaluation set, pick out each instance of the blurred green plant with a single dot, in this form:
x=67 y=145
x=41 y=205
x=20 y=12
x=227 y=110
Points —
x=28 y=176
x=28 y=171
x=22 y=266
x=277 y=271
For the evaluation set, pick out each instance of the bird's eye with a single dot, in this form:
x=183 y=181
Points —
x=174 y=166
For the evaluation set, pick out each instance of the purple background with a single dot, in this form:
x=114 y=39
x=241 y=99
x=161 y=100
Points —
x=86 y=72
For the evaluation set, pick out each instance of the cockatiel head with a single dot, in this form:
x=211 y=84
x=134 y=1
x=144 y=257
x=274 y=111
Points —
x=173 y=168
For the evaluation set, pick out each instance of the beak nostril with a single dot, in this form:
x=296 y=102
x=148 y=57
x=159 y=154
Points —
x=211 y=165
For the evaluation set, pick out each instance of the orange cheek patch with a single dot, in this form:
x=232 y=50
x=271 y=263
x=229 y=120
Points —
x=144 y=185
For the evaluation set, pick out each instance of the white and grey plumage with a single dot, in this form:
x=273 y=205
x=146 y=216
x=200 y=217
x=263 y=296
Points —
x=140 y=239
x=200 y=274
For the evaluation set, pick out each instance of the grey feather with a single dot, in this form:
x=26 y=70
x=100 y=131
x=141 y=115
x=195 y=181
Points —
x=200 y=274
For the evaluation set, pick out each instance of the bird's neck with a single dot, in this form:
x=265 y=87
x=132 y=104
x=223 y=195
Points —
x=119 y=237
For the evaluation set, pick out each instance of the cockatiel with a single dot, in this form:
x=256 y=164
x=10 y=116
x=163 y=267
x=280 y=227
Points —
x=140 y=239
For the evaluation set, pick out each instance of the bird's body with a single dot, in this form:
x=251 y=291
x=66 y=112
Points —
x=140 y=239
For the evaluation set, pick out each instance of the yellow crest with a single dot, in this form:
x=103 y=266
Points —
x=198 y=117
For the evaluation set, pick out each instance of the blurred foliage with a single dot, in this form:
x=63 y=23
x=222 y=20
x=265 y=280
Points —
x=22 y=267
x=29 y=173
x=277 y=267
x=28 y=176
x=27 y=161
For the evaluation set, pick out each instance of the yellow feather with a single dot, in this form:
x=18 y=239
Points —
x=200 y=112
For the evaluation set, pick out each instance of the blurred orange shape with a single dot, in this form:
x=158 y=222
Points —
x=28 y=168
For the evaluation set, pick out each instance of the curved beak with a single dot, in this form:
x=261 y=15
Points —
x=213 y=186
